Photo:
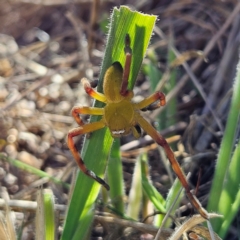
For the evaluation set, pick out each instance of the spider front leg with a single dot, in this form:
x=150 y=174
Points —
x=151 y=99
x=90 y=127
x=76 y=111
x=127 y=66
x=159 y=139
x=91 y=92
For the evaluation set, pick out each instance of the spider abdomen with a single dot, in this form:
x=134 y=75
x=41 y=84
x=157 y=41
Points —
x=119 y=117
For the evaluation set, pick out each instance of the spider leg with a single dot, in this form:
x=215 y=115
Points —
x=82 y=130
x=127 y=66
x=91 y=92
x=159 y=139
x=136 y=130
x=85 y=110
x=151 y=99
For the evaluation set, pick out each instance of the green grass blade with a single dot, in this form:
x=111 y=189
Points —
x=96 y=149
x=115 y=178
x=151 y=70
x=230 y=199
x=19 y=164
x=45 y=217
x=147 y=205
x=135 y=194
x=226 y=148
x=48 y=201
x=150 y=191
x=230 y=216
x=139 y=27
x=172 y=195
x=82 y=232
x=86 y=190
x=39 y=221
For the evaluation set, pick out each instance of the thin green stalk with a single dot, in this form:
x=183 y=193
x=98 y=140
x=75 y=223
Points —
x=171 y=199
x=19 y=164
x=48 y=202
x=135 y=194
x=150 y=191
x=115 y=177
x=230 y=198
x=45 y=215
x=229 y=217
x=226 y=148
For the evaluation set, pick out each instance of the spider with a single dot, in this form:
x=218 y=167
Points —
x=122 y=116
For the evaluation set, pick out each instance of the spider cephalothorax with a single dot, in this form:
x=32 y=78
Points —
x=122 y=116
x=119 y=112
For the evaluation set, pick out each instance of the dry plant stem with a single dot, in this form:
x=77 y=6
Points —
x=202 y=231
x=145 y=228
x=148 y=147
x=39 y=220
x=30 y=188
x=189 y=224
x=212 y=236
x=156 y=213
x=24 y=205
x=10 y=231
x=206 y=51
x=57 y=118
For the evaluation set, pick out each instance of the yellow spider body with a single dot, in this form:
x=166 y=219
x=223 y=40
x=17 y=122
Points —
x=119 y=110
x=122 y=116
x=112 y=83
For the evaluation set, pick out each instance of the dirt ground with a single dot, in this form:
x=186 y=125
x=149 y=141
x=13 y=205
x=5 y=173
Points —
x=43 y=58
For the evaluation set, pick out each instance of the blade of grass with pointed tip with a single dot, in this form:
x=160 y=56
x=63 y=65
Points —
x=96 y=149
